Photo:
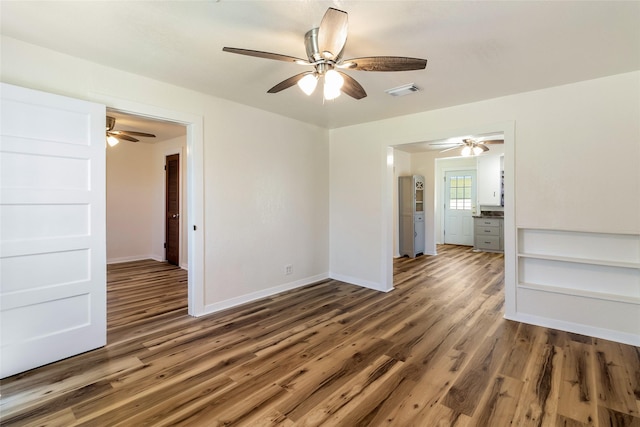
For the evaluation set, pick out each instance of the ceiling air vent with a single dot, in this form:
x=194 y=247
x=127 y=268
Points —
x=403 y=90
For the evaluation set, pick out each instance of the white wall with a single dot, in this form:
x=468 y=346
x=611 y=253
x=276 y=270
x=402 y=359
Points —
x=568 y=147
x=130 y=205
x=566 y=156
x=265 y=176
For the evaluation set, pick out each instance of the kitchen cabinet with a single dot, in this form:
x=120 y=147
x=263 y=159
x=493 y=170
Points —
x=488 y=234
x=411 y=215
x=489 y=182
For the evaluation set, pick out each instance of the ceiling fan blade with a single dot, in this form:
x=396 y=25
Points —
x=452 y=148
x=123 y=137
x=351 y=87
x=132 y=133
x=493 y=141
x=385 y=63
x=266 y=55
x=434 y=144
x=481 y=145
x=286 y=84
x=332 y=33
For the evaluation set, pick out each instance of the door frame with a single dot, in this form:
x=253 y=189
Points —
x=195 y=185
x=508 y=128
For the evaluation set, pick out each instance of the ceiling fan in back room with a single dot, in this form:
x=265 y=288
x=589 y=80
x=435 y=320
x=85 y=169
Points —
x=325 y=46
x=470 y=147
x=115 y=136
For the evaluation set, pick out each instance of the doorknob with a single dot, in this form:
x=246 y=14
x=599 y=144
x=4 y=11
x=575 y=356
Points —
x=175 y=215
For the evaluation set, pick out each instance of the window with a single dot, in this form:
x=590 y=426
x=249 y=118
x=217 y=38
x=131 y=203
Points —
x=460 y=192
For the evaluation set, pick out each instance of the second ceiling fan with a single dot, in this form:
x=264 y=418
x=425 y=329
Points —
x=470 y=147
x=324 y=46
x=114 y=136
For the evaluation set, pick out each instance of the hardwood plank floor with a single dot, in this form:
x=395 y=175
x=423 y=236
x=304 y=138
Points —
x=436 y=351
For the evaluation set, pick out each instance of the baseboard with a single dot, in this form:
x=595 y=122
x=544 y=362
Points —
x=359 y=282
x=243 y=299
x=133 y=258
x=577 y=328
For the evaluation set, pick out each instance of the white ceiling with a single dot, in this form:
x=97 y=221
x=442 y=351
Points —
x=475 y=50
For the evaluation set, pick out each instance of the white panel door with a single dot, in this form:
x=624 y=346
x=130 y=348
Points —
x=52 y=228
x=460 y=194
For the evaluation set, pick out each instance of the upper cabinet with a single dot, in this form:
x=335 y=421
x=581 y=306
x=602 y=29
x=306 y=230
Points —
x=489 y=183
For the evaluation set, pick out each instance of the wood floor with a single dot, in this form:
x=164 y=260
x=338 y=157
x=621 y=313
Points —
x=436 y=351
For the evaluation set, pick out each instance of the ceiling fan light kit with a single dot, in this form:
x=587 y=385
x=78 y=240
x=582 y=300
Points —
x=474 y=150
x=112 y=141
x=324 y=47
x=308 y=83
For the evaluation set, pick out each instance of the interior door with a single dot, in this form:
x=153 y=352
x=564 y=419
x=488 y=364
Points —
x=460 y=196
x=172 y=166
x=52 y=228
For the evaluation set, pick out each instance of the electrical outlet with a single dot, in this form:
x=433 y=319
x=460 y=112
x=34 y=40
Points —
x=288 y=269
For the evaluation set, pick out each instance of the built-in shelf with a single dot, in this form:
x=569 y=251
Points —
x=621 y=264
x=582 y=281
x=581 y=293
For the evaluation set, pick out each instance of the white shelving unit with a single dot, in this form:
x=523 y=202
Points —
x=411 y=215
x=585 y=281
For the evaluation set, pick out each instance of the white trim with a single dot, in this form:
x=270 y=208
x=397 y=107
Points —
x=578 y=230
x=509 y=227
x=246 y=298
x=195 y=184
x=134 y=258
x=386 y=266
x=607 y=334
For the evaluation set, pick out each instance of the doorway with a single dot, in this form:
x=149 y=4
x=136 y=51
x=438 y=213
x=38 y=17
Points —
x=427 y=165
x=143 y=183
x=459 y=205
x=191 y=186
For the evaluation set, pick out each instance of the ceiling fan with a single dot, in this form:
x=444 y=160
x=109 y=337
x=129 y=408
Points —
x=470 y=147
x=324 y=46
x=114 y=136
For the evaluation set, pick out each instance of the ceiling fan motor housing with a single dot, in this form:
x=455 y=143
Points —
x=111 y=122
x=317 y=58
x=311 y=45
